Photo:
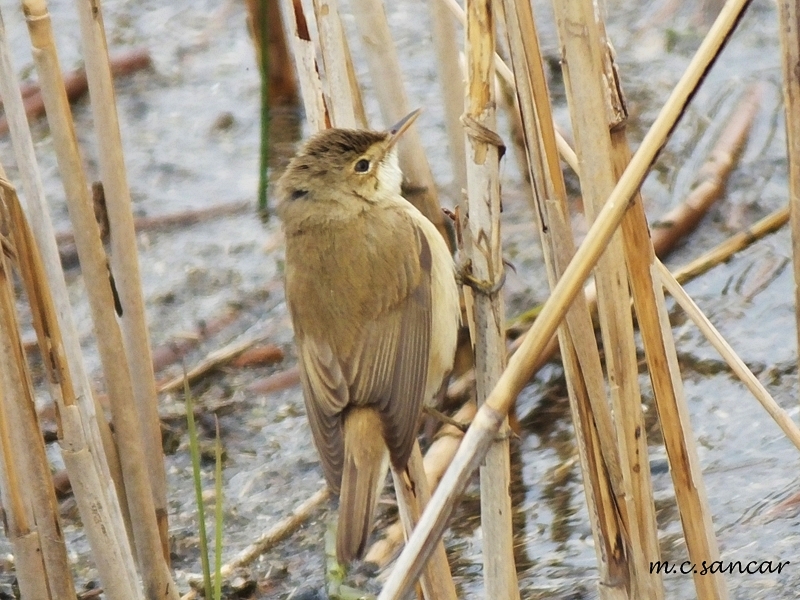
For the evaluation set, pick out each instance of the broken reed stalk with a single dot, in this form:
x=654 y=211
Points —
x=19 y=521
x=335 y=57
x=480 y=226
x=387 y=80
x=580 y=356
x=97 y=430
x=490 y=416
x=124 y=253
x=26 y=468
x=305 y=60
x=447 y=63
x=505 y=74
x=94 y=494
x=94 y=265
x=413 y=493
x=608 y=151
x=789 y=17
x=596 y=108
x=725 y=350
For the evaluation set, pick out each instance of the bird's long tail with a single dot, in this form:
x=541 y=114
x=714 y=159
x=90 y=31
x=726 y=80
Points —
x=366 y=460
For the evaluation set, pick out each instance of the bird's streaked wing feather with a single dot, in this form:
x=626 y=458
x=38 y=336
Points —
x=325 y=393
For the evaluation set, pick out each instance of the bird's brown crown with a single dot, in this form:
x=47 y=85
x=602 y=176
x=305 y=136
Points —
x=330 y=157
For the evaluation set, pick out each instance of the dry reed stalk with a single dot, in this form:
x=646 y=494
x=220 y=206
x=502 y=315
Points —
x=480 y=226
x=97 y=501
x=94 y=265
x=725 y=350
x=26 y=453
x=589 y=405
x=789 y=15
x=452 y=83
x=29 y=569
x=335 y=57
x=387 y=79
x=355 y=88
x=685 y=217
x=100 y=444
x=124 y=253
x=596 y=109
x=738 y=241
x=505 y=74
x=490 y=416
x=591 y=66
x=437 y=458
x=305 y=59
x=413 y=493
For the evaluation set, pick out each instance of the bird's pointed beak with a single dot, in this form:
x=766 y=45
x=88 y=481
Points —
x=399 y=128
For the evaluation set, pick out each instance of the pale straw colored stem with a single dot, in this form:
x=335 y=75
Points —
x=590 y=408
x=305 y=58
x=413 y=494
x=490 y=416
x=452 y=83
x=97 y=431
x=789 y=16
x=596 y=109
x=567 y=153
x=19 y=521
x=94 y=265
x=730 y=356
x=26 y=444
x=335 y=58
x=96 y=498
x=480 y=224
x=738 y=241
x=124 y=253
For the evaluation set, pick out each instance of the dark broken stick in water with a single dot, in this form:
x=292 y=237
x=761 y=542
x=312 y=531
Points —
x=76 y=83
x=66 y=240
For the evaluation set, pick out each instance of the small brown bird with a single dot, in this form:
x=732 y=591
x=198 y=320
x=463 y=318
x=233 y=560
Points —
x=371 y=289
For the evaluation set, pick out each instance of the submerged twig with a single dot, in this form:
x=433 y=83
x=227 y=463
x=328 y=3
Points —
x=211 y=361
x=279 y=531
x=77 y=85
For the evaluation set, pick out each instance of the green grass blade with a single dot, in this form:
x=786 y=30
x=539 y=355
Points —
x=194 y=450
x=218 y=516
x=263 y=171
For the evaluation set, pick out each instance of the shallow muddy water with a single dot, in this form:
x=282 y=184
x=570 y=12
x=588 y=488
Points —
x=190 y=128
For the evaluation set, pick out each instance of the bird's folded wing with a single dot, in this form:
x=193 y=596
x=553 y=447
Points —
x=326 y=394
x=386 y=367
x=389 y=367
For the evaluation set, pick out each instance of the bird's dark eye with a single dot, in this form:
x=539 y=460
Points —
x=362 y=166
